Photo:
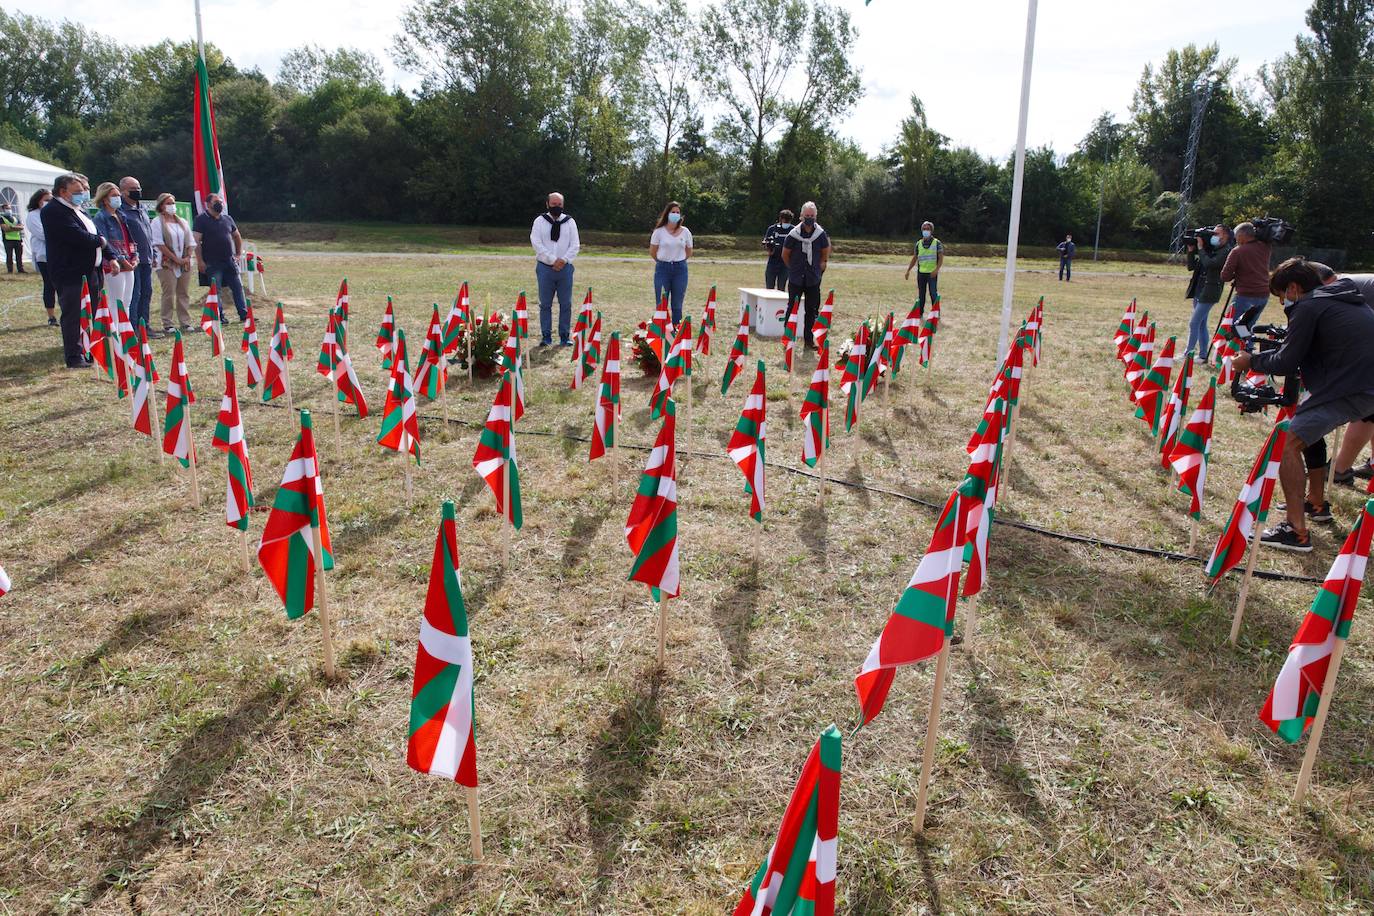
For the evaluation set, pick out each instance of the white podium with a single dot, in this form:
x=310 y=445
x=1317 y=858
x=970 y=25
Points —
x=767 y=310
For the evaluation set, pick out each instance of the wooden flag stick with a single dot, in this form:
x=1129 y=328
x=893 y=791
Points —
x=243 y=546
x=322 y=598
x=1245 y=583
x=1314 y=739
x=970 y=623
x=443 y=400
x=195 y=475
x=286 y=383
x=687 y=444
x=932 y=728
x=338 y=433
x=474 y=823
x=662 y=630
x=154 y=424
x=1192 y=537
x=405 y=461
x=469 y=337
x=507 y=514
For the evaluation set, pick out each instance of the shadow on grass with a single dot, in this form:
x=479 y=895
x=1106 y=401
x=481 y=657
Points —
x=881 y=440
x=360 y=532
x=190 y=775
x=26 y=364
x=142 y=625
x=77 y=489
x=928 y=877
x=1350 y=852
x=618 y=768
x=814 y=531
x=733 y=614
x=855 y=476
x=100 y=544
x=580 y=539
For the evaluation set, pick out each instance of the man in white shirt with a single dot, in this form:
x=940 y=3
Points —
x=555 y=243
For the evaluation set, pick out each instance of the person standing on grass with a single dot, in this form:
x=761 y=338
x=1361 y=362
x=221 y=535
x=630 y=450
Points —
x=109 y=222
x=554 y=239
x=806 y=252
x=1066 y=252
x=928 y=258
x=670 y=246
x=1247 y=268
x=74 y=251
x=175 y=245
x=218 y=247
x=13 y=232
x=136 y=221
x=775 y=274
x=1205 y=260
x=38 y=250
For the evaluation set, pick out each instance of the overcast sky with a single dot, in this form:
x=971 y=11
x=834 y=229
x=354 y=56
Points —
x=963 y=58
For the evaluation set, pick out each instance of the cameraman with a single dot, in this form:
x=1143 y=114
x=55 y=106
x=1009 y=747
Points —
x=1206 y=257
x=1247 y=268
x=1330 y=343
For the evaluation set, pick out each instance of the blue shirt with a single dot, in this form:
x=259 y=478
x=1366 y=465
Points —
x=137 y=223
x=216 y=237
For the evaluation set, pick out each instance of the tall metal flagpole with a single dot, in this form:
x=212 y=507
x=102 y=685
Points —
x=1014 y=229
x=200 y=36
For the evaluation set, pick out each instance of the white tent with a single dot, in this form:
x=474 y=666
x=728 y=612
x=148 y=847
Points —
x=20 y=176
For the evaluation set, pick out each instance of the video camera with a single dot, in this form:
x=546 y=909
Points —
x=1199 y=236
x=1273 y=229
x=1251 y=397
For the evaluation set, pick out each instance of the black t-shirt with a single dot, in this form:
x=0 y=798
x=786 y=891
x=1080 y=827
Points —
x=217 y=237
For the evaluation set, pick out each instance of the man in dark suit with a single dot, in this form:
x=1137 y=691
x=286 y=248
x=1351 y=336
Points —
x=74 y=253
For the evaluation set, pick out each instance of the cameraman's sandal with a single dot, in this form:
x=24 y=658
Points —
x=1330 y=344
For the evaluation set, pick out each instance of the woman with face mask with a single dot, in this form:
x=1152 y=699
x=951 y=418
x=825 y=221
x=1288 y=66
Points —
x=174 y=247
x=119 y=270
x=670 y=246
x=1205 y=260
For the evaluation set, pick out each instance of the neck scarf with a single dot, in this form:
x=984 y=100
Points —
x=556 y=225
x=806 y=240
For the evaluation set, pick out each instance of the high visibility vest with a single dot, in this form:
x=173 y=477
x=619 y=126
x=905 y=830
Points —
x=11 y=228
x=926 y=255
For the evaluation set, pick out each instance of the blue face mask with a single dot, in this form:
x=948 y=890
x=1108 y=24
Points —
x=1216 y=241
x=674 y=218
x=785 y=225
x=925 y=233
x=81 y=198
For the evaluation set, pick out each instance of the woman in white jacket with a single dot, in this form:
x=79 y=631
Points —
x=38 y=250
x=174 y=249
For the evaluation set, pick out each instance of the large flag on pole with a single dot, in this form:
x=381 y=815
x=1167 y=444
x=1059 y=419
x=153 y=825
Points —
x=286 y=550
x=208 y=173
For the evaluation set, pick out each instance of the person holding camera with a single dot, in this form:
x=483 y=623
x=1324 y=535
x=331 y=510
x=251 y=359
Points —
x=1247 y=269
x=1330 y=344
x=1207 y=255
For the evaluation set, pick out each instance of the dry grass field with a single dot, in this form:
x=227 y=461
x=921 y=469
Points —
x=170 y=744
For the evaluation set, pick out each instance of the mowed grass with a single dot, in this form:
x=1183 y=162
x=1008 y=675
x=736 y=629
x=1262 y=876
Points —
x=172 y=746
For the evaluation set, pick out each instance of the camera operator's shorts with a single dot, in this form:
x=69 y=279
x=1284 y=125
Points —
x=1315 y=422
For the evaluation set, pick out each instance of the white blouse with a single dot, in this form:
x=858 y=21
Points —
x=671 y=247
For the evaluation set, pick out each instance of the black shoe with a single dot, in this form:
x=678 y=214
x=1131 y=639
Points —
x=78 y=365
x=1317 y=515
x=52 y=322
x=1344 y=478
x=1363 y=471
x=545 y=343
x=1284 y=536
x=565 y=343
x=155 y=335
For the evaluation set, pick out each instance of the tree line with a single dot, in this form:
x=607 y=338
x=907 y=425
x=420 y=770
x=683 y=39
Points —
x=622 y=105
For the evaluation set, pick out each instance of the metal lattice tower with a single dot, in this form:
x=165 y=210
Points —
x=1202 y=94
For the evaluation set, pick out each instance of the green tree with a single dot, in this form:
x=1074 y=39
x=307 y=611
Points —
x=308 y=67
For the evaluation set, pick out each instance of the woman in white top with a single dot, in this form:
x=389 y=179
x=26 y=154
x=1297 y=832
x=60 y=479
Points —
x=38 y=250
x=670 y=246
x=173 y=250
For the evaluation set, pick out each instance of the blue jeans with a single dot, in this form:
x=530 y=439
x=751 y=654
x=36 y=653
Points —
x=226 y=275
x=142 y=294
x=926 y=282
x=671 y=277
x=552 y=281
x=1198 y=334
x=1066 y=268
x=1247 y=309
x=775 y=274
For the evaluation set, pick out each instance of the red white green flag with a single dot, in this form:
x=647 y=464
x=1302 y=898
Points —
x=1033 y=322
x=5 y=585
x=123 y=342
x=978 y=495
x=87 y=317
x=249 y=345
x=511 y=361
x=791 y=332
x=678 y=364
x=739 y=352
x=1190 y=453
x=210 y=321
x=459 y=317
x=1132 y=344
x=880 y=360
x=581 y=328
x=400 y=424
x=341 y=300
x=852 y=376
x=238 y=494
x=176 y=428
x=336 y=365
x=1175 y=409
x=102 y=346
x=1140 y=361
x=496 y=452
x=1292 y=703
x=820 y=328
x=924 y=616
x=207 y=172
x=659 y=332
x=651 y=528
x=909 y=333
x=441 y=740
x=522 y=315
x=279 y=353
x=607 y=401
x=286 y=550
x=386 y=333
x=1150 y=393
x=797 y=876
x=141 y=378
x=431 y=370
x=708 y=324
x=746 y=446
x=1123 y=330
x=815 y=411
x=591 y=352
x=1225 y=343
x=1252 y=505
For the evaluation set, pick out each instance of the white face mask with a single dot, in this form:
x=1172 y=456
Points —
x=1289 y=303
x=113 y=200
x=169 y=209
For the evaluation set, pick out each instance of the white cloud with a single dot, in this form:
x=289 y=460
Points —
x=963 y=57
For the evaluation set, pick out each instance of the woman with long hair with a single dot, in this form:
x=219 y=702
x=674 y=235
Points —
x=670 y=246
x=38 y=250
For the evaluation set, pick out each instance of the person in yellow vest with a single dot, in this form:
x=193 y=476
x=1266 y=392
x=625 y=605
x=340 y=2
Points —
x=928 y=258
x=13 y=231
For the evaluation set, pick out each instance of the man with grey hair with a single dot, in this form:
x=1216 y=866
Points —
x=554 y=239
x=806 y=253
x=74 y=256
x=1247 y=269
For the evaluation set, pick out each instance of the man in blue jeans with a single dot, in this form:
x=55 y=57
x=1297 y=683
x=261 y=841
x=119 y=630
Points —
x=130 y=193
x=554 y=239
x=218 y=248
x=1247 y=268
